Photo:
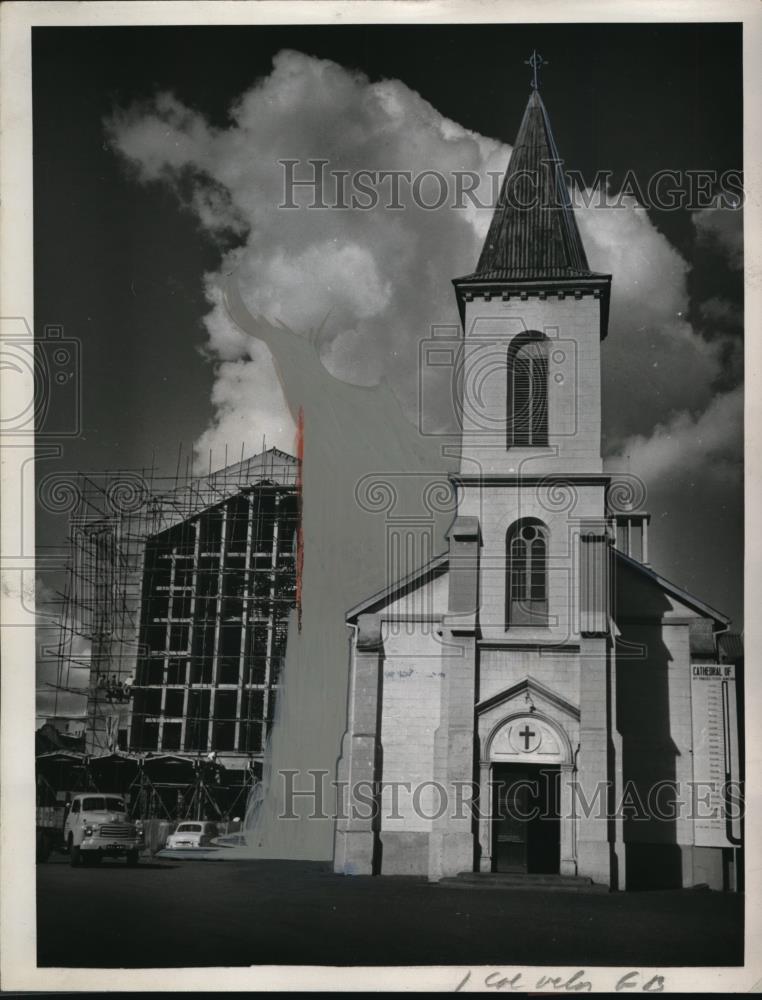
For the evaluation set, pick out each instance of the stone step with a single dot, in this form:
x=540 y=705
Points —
x=518 y=881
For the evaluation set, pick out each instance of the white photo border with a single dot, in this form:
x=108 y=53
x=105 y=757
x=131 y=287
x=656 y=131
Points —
x=18 y=965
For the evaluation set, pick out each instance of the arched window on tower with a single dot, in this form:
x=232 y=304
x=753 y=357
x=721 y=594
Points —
x=527 y=573
x=527 y=417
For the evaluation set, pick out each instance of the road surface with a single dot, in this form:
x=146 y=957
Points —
x=201 y=913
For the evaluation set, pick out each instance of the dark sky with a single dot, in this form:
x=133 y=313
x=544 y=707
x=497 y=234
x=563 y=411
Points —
x=119 y=266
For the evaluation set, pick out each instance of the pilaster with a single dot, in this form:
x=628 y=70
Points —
x=356 y=832
x=593 y=789
x=451 y=848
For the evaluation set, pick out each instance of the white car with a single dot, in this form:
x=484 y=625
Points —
x=192 y=834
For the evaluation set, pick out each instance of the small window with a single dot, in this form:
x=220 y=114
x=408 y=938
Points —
x=173 y=703
x=197 y=720
x=181 y=605
x=223 y=729
x=527 y=574
x=179 y=638
x=150 y=739
x=183 y=574
x=156 y=637
x=151 y=701
x=211 y=530
x=527 y=416
x=172 y=736
x=177 y=671
x=156 y=607
x=237 y=523
x=155 y=671
x=230 y=641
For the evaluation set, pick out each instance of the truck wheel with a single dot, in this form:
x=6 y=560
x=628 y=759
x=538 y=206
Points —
x=132 y=858
x=75 y=856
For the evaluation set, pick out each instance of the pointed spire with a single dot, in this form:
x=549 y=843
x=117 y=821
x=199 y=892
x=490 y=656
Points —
x=533 y=233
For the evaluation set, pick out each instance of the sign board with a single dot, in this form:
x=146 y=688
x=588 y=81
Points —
x=715 y=753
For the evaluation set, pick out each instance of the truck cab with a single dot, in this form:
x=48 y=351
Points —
x=97 y=826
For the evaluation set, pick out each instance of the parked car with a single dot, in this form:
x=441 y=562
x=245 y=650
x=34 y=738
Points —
x=230 y=840
x=97 y=826
x=192 y=834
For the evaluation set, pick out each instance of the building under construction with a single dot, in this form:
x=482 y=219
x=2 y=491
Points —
x=183 y=588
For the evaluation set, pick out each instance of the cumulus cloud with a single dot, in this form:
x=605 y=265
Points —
x=376 y=280
x=721 y=228
x=692 y=468
x=710 y=441
x=249 y=407
x=721 y=313
x=650 y=339
x=372 y=282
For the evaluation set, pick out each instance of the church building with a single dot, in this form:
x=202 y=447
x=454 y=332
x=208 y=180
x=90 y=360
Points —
x=539 y=700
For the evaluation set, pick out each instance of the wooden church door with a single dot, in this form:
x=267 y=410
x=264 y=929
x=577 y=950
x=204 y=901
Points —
x=511 y=832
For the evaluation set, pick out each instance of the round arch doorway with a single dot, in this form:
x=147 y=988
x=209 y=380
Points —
x=529 y=769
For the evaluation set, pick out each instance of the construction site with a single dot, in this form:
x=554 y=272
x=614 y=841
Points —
x=182 y=589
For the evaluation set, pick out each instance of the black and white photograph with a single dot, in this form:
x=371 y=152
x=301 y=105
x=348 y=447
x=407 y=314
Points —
x=378 y=439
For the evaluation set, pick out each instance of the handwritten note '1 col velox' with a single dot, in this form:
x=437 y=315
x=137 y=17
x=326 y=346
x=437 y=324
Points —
x=576 y=982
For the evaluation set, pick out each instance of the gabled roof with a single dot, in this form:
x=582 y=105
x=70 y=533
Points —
x=441 y=563
x=273 y=464
x=400 y=587
x=533 y=233
x=671 y=588
x=272 y=468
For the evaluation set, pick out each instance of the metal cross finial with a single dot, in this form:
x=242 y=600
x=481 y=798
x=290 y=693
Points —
x=535 y=61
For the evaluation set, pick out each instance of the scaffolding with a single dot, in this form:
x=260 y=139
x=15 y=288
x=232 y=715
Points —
x=177 y=602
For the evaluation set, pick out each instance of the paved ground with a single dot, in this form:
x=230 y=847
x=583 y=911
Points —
x=261 y=912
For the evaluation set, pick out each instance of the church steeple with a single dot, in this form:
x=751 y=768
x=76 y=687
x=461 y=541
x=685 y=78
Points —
x=533 y=246
x=533 y=233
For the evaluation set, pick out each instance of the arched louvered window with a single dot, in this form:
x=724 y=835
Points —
x=527 y=573
x=527 y=416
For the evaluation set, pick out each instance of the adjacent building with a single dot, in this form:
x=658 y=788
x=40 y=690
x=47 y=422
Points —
x=191 y=589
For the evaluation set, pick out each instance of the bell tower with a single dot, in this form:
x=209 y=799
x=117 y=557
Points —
x=533 y=316
x=530 y=575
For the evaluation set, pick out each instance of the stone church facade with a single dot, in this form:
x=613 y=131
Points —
x=527 y=701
